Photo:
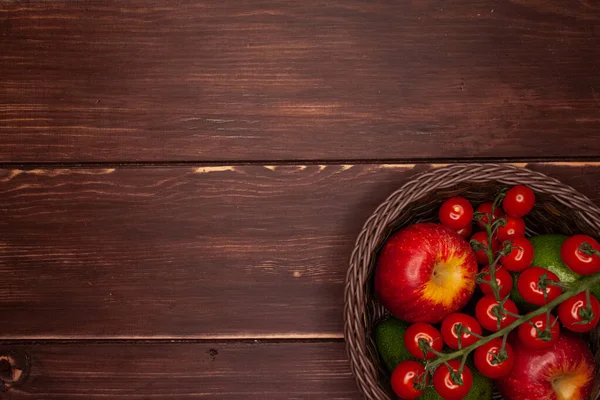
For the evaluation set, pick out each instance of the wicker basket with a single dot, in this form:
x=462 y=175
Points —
x=559 y=208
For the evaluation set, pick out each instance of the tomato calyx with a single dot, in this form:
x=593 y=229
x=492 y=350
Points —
x=588 y=250
x=461 y=330
x=501 y=313
x=477 y=245
x=420 y=382
x=507 y=247
x=426 y=348
x=545 y=334
x=456 y=376
x=499 y=357
x=586 y=313
x=544 y=282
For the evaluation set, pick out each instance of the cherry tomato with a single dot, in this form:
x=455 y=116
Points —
x=503 y=279
x=581 y=258
x=466 y=231
x=572 y=313
x=481 y=255
x=484 y=311
x=515 y=227
x=489 y=362
x=487 y=209
x=422 y=331
x=529 y=289
x=535 y=337
x=518 y=201
x=405 y=377
x=456 y=213
x=450 y=334
x=445 y=386
x=520 y=257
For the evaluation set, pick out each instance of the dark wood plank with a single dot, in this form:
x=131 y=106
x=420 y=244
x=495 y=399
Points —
x=289 y=80
x=186 y=371
x=207 y=252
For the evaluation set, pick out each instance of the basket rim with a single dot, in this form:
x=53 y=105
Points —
x=371 y=235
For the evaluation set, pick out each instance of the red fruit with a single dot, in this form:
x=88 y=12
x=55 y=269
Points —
x=564 y=372
x=534 y=337
x=456 y=213
x=529 y=288
x=404 y=378
x=487 y=209
x=450 y=334
x=445 y=386
x=421 y=331
x=487 y=359
x=518 y=201
x=503 y=279
x=482 y=238
x=425 y=272
x=515 y=227
x=466 y=231
x=520 y=257
x=484 y=311
x=575 y=314
x=581 y=254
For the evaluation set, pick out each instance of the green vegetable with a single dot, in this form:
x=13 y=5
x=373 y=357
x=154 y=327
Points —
x=389 y=339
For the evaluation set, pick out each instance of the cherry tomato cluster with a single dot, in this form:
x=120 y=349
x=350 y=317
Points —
x=509 y=253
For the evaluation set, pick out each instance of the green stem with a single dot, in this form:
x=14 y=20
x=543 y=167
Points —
x=491 y=261
x=504 y=339
x=463 y=362
x=505 y=311
x=588 y=300
x=577 y=288
x=470 y=332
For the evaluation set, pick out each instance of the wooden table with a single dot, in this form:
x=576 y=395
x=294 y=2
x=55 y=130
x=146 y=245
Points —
x=182 y=183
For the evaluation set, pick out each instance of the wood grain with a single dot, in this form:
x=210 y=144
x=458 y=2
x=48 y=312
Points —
x=283 y=80
x=269 y=371
x=203 y=252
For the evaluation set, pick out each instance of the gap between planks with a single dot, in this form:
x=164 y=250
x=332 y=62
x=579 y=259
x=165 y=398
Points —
x=62 y=169
x=284 y=337
x=408 y=163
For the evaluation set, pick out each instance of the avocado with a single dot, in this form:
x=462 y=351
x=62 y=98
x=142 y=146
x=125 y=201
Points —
x=389 y=339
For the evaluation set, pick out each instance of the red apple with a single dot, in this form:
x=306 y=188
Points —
x=566 y=371
x=425 y=272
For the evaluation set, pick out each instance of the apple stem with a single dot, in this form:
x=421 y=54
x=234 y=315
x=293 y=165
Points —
x=583 y=285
